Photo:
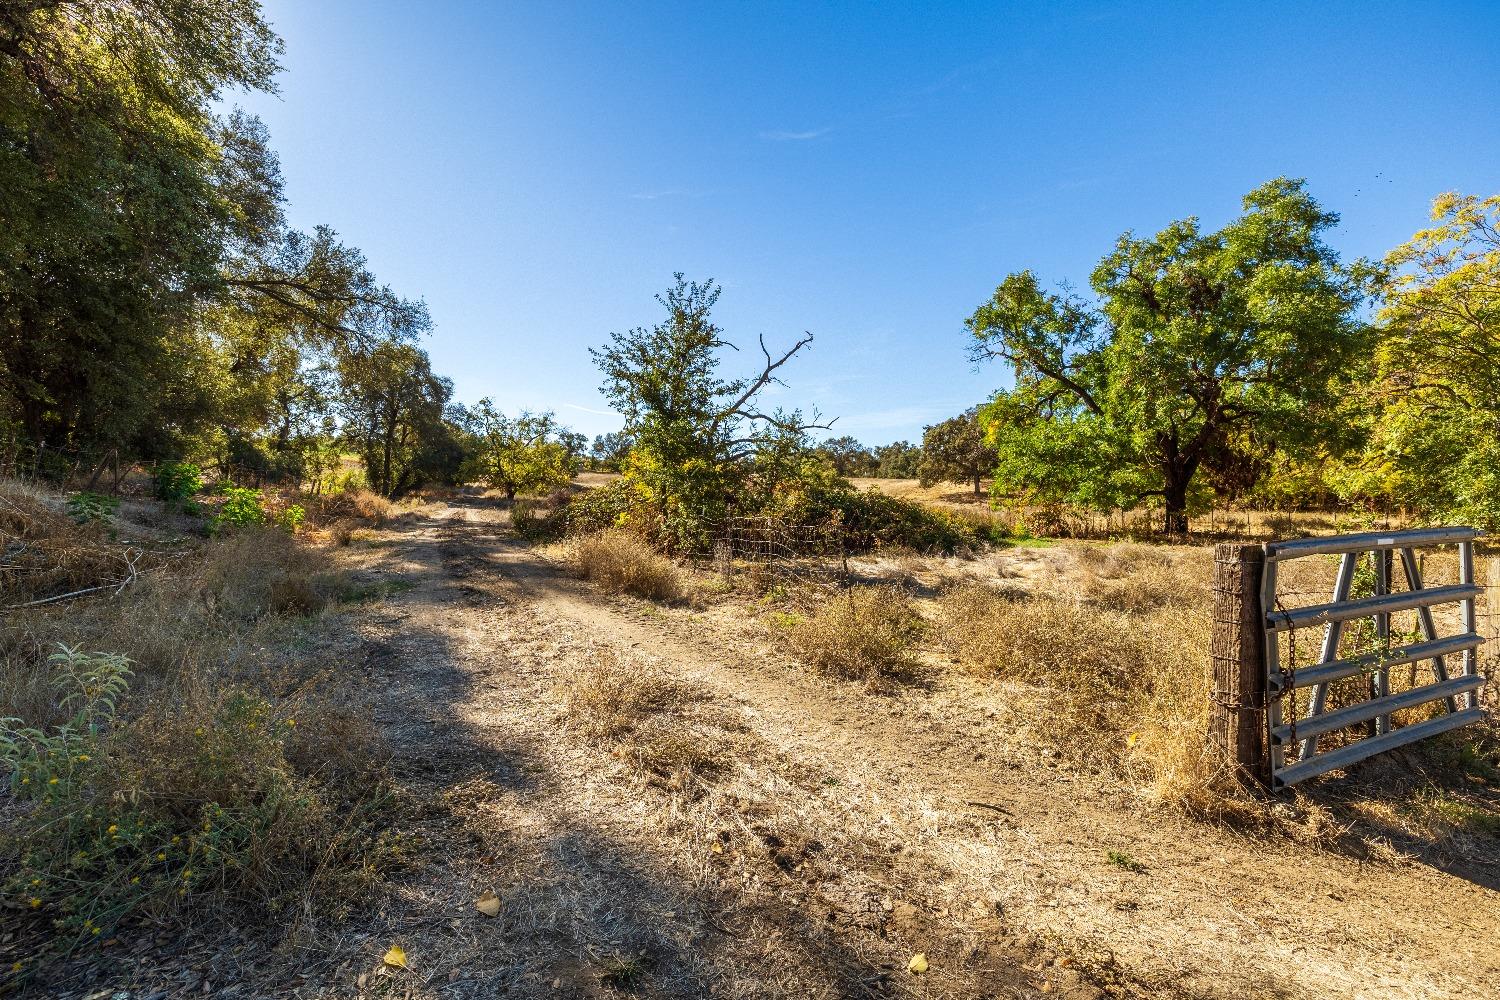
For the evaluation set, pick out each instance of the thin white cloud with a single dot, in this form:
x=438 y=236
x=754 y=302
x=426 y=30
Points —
x=781 y=136
x=585 y=409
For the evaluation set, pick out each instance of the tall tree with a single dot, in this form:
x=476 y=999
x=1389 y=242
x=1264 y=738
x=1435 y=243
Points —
x=1435 y=442
x=848 y=456
x=526 y=453
x=1201 y=348
x=117 y=199
x=394 y=411
x=609 y=450
x=898 y=460
x=694 y=431
x=957 y=451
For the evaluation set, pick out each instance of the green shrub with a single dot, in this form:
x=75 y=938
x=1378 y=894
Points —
x=606 y=506
x=241 y=508
x=813 y=495
x=177 y=482
x=290 y=518
x=86 y=506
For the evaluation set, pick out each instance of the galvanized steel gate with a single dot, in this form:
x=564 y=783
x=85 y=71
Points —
x=1457 y=691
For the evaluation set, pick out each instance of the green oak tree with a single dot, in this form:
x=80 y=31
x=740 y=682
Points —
x=898 y=460
x=527 y=453
x=956 y=451
x=1200 y=350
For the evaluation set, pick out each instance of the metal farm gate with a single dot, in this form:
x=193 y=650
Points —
x=1294 y=753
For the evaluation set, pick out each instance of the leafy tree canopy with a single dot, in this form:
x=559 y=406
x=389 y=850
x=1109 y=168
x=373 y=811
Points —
x=1199 y=350
x=1435 y=441
x=527 y=453
x=695 y=433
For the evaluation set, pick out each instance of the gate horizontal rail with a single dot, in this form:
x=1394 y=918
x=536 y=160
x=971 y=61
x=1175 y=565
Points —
x=1365 y=607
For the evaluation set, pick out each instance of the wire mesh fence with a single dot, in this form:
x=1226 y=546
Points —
x=807 y=553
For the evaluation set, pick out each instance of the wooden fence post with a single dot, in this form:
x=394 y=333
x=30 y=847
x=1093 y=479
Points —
x=1238 y=701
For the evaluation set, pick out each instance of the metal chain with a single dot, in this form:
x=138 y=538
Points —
x=1289 y=676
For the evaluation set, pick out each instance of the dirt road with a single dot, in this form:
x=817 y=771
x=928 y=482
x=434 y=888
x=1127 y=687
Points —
x=827 y=836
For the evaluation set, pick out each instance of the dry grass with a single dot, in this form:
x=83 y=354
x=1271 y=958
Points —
x=613 y=694
x=642 y=710
x=1141 y=578
x=867 y=634
x=622 y=562
x=360 y=504
x=1119 y=682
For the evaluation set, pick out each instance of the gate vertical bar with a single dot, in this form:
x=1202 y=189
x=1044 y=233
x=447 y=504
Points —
x=1424 y=618
x=1332 y=632
x=1380 y=680
x=1468 y=610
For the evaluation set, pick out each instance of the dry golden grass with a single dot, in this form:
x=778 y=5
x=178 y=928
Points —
x=1120 y=682
x=612 y=694
x=1139 y=578
x=866 y=633
x=622 y=562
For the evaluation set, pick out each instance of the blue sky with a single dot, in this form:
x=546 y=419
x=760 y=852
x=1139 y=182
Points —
x=869 y=173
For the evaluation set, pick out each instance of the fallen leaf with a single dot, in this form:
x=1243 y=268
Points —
x=1130 y=740
x=717 y=848
x=918 y=963
x=489 y=904
x=395 y=957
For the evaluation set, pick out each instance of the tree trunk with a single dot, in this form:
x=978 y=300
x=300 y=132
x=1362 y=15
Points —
x=1176 y=520
x=976 y=485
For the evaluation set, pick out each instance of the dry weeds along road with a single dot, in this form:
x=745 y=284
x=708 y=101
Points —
x=666 y=807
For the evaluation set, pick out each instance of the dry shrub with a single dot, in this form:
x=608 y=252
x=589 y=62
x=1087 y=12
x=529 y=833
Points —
x=1122 y=691
x=613 y=694
x=359 y=503
x=642 y=710
x=371 y=507
x=45 y=553
x=341 y=533
x=621 y=562
x=261 y=571
x=219 y=741
x=866 y=634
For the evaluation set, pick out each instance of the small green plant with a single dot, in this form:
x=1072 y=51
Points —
x=241 y=508
x=1125 y=861
x=87 y=507
x=177 y=482
x=623 y=971
x=290 y=518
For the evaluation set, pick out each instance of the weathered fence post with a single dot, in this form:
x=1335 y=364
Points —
x=1238 y=721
